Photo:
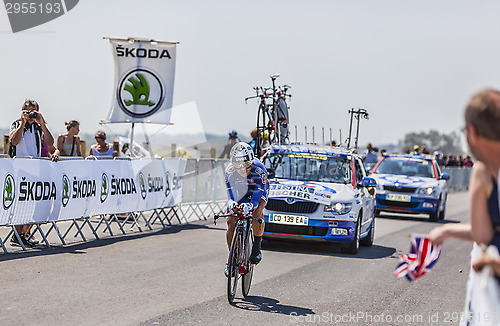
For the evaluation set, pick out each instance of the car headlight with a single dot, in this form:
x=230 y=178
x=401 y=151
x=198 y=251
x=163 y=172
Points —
x=427 y=191
x=338 y=208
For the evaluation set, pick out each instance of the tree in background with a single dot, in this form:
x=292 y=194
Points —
x=434 y=141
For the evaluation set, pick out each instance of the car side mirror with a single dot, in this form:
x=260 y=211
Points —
x=368 y=182
x=271 y=173
x=444 y=176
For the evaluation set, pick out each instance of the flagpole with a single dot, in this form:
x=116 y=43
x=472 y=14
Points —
x=131 y=140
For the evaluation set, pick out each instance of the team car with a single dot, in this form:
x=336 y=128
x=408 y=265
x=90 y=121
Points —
x=411 y=184
x=319 y=193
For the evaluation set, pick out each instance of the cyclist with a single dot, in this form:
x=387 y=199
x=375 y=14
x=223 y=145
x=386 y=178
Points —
x=248 y=189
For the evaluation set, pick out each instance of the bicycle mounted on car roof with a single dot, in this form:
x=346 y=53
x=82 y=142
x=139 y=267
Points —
x=269 y=113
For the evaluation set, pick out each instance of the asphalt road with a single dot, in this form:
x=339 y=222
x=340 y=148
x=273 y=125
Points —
x=175 y=277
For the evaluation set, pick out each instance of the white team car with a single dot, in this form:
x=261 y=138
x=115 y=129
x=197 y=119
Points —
x=319 y=193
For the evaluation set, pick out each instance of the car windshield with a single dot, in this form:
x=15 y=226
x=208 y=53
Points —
x=409 y=167
x=310 y=167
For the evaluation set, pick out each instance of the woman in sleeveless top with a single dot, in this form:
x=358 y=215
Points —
x=69 y=144
x=102 y=148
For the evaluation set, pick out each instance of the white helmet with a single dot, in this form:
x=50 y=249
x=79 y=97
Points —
x=241 y=155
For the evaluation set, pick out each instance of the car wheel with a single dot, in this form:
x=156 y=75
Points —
x=368 y=240
x=443 y=212
x=353 y=247
x=433 y=217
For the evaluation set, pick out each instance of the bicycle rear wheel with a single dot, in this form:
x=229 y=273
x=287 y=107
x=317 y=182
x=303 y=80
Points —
x=246 y=279
x=261 y=120
x=234 y=261
x=283 y=120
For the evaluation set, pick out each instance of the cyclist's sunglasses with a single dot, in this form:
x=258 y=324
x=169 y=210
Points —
x=242 y=165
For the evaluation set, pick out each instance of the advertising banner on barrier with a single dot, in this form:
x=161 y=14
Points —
x=36 y=190
x=174 y=170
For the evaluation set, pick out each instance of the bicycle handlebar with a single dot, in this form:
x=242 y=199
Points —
x=217 y=216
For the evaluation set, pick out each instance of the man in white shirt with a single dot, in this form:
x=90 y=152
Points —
x=27 y=136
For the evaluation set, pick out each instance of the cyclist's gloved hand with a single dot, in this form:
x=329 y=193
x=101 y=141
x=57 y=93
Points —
x=246 y=208
x=231 y=204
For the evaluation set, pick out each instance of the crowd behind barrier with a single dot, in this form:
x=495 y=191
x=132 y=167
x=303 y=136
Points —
x=203 y=194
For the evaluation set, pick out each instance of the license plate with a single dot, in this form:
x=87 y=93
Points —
x=288 y=219
x=398 y=197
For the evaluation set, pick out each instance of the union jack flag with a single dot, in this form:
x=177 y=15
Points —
x=423 y=255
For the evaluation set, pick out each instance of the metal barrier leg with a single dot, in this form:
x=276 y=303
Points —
x=108 y=227
x=146 y=220
x=169 y=220
x=155 y=216
x=134 y=218
x=39 y=229
x=80 y=231
x=54 y=225
x=115 y=218
x=182 y=212
x=172 y=209
x=18 y=237
x=102 y=217
x=69 y=228
x=87 y=220
x=199 y=209
x=3 y=246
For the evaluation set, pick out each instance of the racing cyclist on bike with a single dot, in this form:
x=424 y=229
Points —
x=248 y=190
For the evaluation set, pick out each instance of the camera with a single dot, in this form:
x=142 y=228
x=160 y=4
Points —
x=32 y=114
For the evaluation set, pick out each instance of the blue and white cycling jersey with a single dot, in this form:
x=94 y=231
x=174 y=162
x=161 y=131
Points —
x=248 y=189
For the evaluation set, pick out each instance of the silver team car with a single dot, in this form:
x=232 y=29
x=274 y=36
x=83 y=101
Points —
x=319 y=193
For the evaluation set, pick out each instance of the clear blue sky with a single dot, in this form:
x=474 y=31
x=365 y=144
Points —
x=412 y=64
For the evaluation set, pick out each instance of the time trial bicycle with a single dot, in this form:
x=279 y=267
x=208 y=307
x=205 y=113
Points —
x=239 y=265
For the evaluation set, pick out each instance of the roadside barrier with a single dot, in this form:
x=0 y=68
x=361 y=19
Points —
x=113 y=192
x=459 y=178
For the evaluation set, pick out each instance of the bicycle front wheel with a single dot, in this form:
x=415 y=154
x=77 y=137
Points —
x=246 y=279
x=234 y=262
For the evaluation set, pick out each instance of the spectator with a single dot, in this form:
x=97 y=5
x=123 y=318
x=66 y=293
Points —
x=416 y=150
x=439 y=158
x=102 y=148
x=425 y=151
x=468 y=163
x=253 y=142
x=68 y=144
x=233 y=139
x=482 y=117
x=333 y=143
x=370 y=157
x=27 y=136
x=451 y=161
x=460 y=161
x=50 y=152
x=383 y=152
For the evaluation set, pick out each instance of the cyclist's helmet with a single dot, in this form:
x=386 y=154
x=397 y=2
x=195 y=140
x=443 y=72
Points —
x=241 y=155
x=233 y=134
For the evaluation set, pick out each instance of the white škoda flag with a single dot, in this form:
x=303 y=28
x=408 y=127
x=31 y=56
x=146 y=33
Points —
x=144 y=80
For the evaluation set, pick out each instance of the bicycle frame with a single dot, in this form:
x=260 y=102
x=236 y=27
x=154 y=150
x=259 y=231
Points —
x=239 y=254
